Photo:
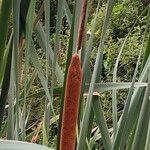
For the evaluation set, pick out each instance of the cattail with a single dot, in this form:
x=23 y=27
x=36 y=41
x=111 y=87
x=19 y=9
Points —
x=71 y=104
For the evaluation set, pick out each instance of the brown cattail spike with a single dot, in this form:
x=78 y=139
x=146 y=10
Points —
x=71 y=104
x=82 y=24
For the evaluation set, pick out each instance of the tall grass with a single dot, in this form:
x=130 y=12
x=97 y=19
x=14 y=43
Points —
x=22 y=65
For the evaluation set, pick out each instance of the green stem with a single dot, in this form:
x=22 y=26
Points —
x=4 y=19
x=5 y=86
x=146 y=53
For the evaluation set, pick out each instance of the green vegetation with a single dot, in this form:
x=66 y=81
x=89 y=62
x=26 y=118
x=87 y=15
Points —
x=37 y=41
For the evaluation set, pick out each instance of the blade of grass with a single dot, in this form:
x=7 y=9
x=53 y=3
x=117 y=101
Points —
x=16 y=17
x=101 y=122
x=91 y=120
x=41 y=39
x=40 y=92
x=47 y=109
x=147 y=147
x=57 y=39
x=97 y=136
x=146 y=53
x=114 y=100
x=147 y=50
x=143 y=121
x=131 y=138
x=41 y=76
x=88 y=145
x=10 y=131
x=28 y=36
x=102 y=87
x=4 y=19
x=93 y=139
x=98 y=87
x=68 y=13
x=5 y=85
x=30 y=82
x=76 y=22
x=114 y=92
x=12 y=96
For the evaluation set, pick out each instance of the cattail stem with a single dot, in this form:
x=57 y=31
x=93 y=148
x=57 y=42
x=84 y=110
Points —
x=71 y=104
x=82 y=24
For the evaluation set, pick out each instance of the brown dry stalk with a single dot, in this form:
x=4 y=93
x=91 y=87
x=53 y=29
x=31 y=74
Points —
x=36 y=136
x=82 y=25
x=21 y=52
x=71 y=104
x=39 y=15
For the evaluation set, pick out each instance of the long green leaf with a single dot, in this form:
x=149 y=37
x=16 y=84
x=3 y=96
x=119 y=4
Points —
x=68 y=13
x=16 y=17
x=10 y=131
x=4 y=21
x=147 y=50
x=98 y=87
x=147 y=147
x=143 y=121
x=76 y=22
x=5 y=85
x=47 y=108
x=29 y=30
x=101 y=122
x=84 y=126
x=41 y=76
x=42 y=42
x=102 y=87
x=59 y=17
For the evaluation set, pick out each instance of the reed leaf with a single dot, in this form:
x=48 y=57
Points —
x=5 y=85
x=5 y=11
x=68 y=13
x=41 y=40
x=47 y=107
x=101 y=122
x=143 y=121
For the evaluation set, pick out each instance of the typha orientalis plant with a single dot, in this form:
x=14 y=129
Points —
x=72 y=92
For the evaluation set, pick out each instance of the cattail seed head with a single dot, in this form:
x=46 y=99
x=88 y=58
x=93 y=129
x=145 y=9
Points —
x=71 y=104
